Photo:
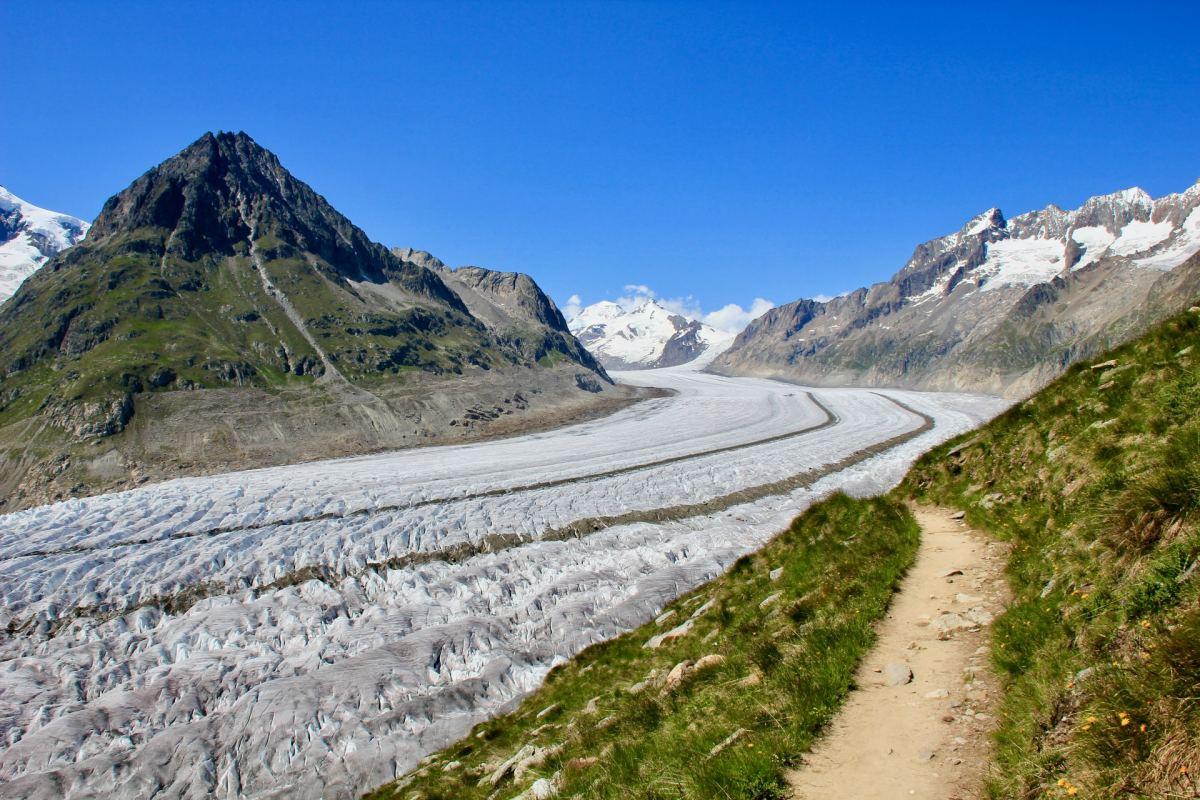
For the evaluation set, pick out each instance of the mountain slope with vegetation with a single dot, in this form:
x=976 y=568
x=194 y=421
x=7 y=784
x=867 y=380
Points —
x=220 y=314
x=1095 y=482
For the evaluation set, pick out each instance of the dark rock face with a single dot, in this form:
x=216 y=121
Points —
x=684 y=346
x=1000 y=306
x=215 y=193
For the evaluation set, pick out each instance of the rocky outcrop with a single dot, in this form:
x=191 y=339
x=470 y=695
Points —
x=1002 y=305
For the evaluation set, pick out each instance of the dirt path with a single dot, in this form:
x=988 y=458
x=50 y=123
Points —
x=927 y=736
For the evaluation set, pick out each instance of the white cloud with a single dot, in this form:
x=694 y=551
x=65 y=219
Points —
x=730 y=317
x=733 y=318
x=572 y=307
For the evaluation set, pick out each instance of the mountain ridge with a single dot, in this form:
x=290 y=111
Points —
x=1001 y=305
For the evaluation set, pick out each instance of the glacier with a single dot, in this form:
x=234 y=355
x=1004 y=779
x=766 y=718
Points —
x=312 y=631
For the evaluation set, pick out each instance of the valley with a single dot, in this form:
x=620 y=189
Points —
x=314 y=630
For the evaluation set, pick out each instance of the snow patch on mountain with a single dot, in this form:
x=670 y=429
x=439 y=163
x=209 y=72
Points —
x=29 y=237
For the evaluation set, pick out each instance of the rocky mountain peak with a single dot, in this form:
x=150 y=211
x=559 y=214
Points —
x=422 y=257
x=224 y=191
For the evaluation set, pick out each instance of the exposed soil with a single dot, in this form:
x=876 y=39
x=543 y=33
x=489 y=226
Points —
x=927 y=737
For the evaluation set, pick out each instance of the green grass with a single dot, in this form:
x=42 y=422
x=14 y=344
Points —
x=786 y=667
x=1096 y=482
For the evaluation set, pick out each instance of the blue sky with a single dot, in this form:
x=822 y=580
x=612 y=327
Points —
x=722 y=151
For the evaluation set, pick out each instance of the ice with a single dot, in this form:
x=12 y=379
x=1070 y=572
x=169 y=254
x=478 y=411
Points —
x=1137 y=237
x=21 y=255
x=1021 y=262
x=312 y=631
x=1186 y=243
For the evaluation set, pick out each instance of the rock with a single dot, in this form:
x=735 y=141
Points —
x=949 y=623
x=661 y=618
x=592 y=706
x=1105 y=364
x=543 y=789
x=676 y=677
x=703 y=608
x=967 y=599
x=958 y=515
x=525 y=759
x=897 y=673
x=937 y=694
x=727 y=742
x=753 y=679
x=685 y=670
x=979 y=616
x=550 y=709
x=776 y=573
x=675 y=633
x=991 y=500
x=534 y=759
x=453 y=765
x=770 y=599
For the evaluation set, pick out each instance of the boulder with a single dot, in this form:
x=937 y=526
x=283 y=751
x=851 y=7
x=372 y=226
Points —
x=897 y=673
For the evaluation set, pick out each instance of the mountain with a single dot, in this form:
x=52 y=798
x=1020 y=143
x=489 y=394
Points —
x=511 y=304
x=1002 y=305
x=646 y=336
x=220 y=314
x=29 y=236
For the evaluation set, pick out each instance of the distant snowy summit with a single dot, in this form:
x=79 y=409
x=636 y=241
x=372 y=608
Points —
x=646 y=336
x=29 y=237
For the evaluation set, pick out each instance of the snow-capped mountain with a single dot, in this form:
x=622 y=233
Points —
x=1002 y=305
x=30 y=236
x=646 y=336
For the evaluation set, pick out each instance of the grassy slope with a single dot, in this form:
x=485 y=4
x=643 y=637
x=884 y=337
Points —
x=1095 y=480
x=786 y=668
